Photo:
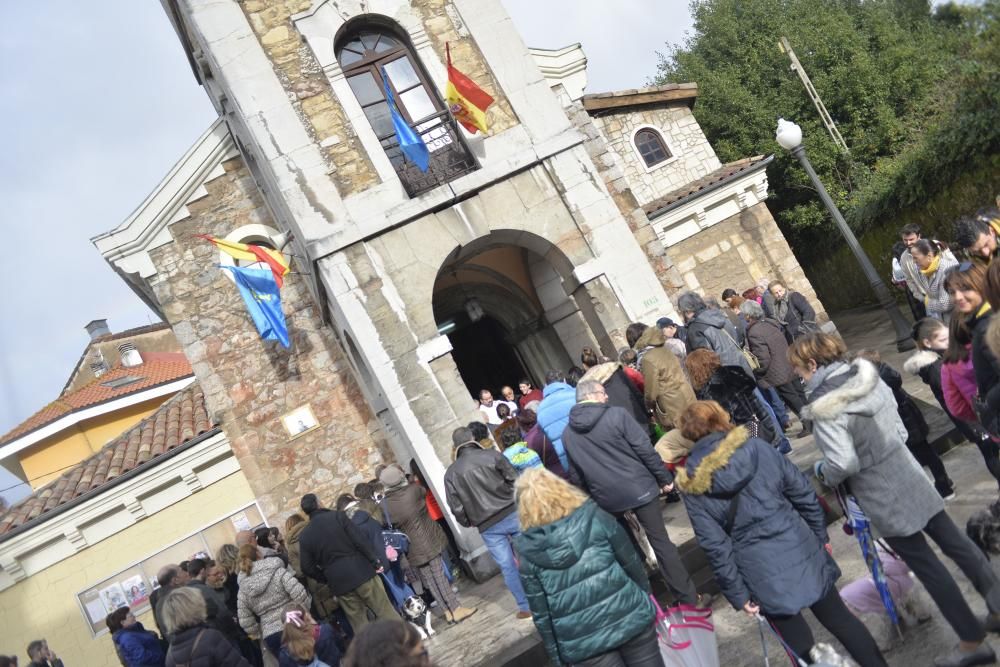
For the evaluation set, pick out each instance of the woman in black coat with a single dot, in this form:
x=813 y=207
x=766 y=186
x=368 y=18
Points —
x=760 y=524
x=976 y=293
x=193 y=643
x=731 y=387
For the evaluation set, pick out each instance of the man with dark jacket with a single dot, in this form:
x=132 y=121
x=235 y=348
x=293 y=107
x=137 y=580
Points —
x=169 y=577
x=217 y=613
x=41 y=655
x=479 y=488
x=335 y=552
x=709 y=328
x=793 y=311
x=610 y=456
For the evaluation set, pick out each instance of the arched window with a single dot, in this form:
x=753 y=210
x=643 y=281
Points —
x=651 y=147
x=364 y=54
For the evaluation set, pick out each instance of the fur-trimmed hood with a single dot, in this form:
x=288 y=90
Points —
x=993 y=336
x=920 y=361
x=708 y=469
x=651 y=337
x=838 y=387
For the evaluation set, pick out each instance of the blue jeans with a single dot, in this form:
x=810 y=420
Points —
x=780 y=441
x=498 y=541
x=777 y=405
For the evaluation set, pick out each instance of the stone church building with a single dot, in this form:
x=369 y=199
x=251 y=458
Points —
x=573 y=216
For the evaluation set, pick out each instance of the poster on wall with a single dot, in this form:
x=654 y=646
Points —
x=113 y=597
x=96 y=612
x=299 y=421
x=241 y=522
x=135 y=591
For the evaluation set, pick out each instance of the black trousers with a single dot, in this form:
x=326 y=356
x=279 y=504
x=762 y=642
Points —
x=667 y=557
x=794 y=396
x=925 y=455
x=643 y=650
x=940 y=585
x=831 y=612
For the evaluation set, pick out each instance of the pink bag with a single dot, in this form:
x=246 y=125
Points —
x=687 y=636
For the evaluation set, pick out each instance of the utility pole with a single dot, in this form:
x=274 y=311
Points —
x=831 y=127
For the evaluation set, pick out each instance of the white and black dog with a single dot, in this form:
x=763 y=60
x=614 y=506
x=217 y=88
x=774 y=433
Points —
x=983 y=528
x=418 y=615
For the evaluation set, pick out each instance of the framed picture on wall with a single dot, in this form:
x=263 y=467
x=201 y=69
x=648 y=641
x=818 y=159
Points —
x=299 y=421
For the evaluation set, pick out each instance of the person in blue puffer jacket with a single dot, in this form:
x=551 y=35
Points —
x=553 y=412
x=135 y=645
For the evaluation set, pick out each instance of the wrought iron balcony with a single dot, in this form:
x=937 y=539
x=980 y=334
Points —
x=450 y=157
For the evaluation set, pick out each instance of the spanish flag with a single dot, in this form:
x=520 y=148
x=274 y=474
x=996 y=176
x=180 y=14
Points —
x=254 y=253
x=467 y=101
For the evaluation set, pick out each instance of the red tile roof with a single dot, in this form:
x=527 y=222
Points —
x=136 y=332
x=696 y=187
x=174 y=423
x=157 y=368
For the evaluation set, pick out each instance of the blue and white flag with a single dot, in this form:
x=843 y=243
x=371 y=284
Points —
x=410 y=143
x=263 y=300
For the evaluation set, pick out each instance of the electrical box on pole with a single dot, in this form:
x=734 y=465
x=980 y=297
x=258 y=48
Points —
x=831 y=127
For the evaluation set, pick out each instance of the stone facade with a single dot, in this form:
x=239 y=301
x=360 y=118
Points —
x=250 y=383
x=691 y=155
x=303 y=78
x=737 y=252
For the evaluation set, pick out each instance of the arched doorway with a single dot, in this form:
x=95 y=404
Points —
x=506 y=310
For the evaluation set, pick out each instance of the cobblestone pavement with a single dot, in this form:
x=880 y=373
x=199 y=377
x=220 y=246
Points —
x=494 y=637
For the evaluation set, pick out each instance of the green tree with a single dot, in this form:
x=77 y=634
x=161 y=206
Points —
x=879 y=66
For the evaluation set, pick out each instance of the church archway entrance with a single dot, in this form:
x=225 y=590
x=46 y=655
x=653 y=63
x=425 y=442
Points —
x=508 y=311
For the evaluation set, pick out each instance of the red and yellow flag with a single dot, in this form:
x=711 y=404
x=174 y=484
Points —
x=467 y=101
x=253 y=253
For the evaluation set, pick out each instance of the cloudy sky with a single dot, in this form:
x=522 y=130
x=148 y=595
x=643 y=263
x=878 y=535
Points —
x=99 y=106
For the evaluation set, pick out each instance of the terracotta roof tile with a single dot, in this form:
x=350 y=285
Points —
x=720 y=175
x=157 y=368
x=177 y=421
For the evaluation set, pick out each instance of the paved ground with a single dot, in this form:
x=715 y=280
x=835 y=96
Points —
x=492 y=637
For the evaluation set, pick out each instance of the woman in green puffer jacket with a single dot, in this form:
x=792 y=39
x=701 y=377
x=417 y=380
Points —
x=585 y=583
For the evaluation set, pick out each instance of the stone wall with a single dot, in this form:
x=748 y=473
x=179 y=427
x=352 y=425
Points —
x=739 y=251
x=250 y=383
x=692 y=155
x=302 y=77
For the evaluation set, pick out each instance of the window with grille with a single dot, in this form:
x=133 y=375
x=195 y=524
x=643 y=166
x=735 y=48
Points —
x=651 y=147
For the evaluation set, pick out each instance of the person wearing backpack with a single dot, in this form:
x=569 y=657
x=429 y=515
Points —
x=192 y=643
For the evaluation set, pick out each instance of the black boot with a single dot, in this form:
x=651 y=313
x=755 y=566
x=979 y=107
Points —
x=945 y=488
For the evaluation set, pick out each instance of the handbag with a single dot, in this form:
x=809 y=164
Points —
x=392 y=537
x=687 y=636
x=750 y=357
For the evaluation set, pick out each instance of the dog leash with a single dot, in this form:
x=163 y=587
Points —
x=792 y=655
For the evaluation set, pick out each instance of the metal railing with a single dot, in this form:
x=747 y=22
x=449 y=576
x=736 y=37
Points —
x=450 y=157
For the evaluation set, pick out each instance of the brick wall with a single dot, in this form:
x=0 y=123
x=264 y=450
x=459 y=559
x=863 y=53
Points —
x=249 y=383
x=739 y=251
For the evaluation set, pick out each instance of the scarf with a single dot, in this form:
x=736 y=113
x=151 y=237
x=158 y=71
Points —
x=932 y=269
x=985 y=308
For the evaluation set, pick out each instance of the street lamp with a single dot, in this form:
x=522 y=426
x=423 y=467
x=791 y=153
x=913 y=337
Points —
x=789 y=137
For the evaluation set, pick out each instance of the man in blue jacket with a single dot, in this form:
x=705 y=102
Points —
x=558 y=398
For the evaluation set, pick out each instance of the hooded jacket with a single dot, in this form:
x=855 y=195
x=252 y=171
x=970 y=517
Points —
x=264 y=593
x=711 y=329
x=322 y=597
x=209 y=650
x=585 y=585
x=611 y=457
x=138 y=647
x=666 y=388
x=766 y=340
x=916 y=426
x=335 y=552
x=620 y=389
x=863 y=442
x=773 y=552
x=407 y=510
x=553 y=414
x=479 y=486
x=927 y=365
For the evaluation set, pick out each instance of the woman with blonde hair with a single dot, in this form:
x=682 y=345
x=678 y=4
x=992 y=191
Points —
x=863 y=443
x=760 y=524
x=266 y=588
x=585 y=583
x=306 y=642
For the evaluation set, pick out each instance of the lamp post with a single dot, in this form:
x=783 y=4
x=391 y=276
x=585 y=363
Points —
x=789 y=137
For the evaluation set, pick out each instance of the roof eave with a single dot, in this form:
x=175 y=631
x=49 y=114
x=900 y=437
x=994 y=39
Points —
x=711 y=188
x=684 y=94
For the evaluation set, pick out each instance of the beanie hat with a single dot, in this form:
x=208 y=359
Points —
x=392 y=477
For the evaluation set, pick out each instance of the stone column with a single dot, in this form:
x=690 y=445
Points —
x=604 y=313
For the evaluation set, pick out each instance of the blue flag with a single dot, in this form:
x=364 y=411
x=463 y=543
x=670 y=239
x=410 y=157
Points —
x=263 y=300
x=410 y=143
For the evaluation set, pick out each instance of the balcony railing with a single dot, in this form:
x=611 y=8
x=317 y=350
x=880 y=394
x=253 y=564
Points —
x=450 y=157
